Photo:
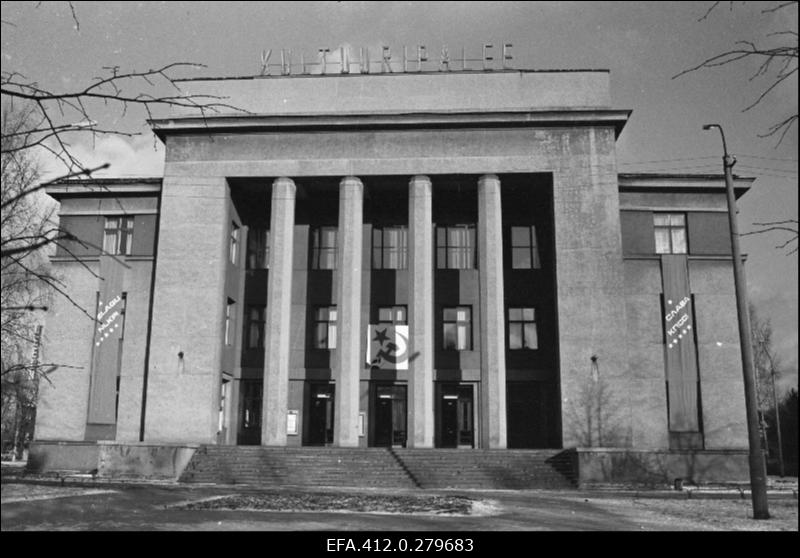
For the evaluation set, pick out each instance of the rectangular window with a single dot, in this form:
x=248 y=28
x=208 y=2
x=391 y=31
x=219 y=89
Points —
x=670 y=230
x=325 y=327
x=522 y=332
x=230 y=316
x=118 y=236
x=457 y=324
x=455 y=247
x=258 y=248
x=323 y=250
x=392 y=315
x=390 y=248
x=234 y=243
x=255 y=326
x=524 y=248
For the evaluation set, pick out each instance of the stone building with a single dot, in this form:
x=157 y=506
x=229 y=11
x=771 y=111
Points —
x=422 y=260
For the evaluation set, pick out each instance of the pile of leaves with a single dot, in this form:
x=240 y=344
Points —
x=311 y=502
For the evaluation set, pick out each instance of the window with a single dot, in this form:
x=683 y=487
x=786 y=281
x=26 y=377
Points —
x=670 y=229
x=524 y=248
x=392 y=315
x=457 y=324
x=234 y=243
x=255 y=326
x=257 y=249
x=230 y=314
x=455 y=247
x=522 y=332
x=323 y=252
x=390 y=248
x=325 y=328
x=118 y=236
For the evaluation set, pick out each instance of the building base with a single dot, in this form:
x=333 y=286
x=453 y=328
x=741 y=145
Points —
x=110 y=459
x=659 y=468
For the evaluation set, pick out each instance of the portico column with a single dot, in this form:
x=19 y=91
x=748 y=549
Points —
x=492 y=313
x=420 y=276
x=278 y=314
x=349 y=357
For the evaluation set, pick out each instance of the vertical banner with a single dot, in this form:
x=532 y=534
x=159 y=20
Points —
x=109 y=323
x=387 y=346
x=681 y=353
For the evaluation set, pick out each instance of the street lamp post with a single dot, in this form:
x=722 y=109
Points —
x=758 y=473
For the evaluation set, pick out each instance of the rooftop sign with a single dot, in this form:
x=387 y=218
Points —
x=344 y=61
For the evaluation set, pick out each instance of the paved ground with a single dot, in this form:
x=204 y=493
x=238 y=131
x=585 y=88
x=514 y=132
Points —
x=152 y=507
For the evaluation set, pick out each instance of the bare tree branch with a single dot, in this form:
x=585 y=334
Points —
x=783 y=57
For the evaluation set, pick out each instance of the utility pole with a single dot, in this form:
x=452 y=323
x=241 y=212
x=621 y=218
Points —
x=758 y=470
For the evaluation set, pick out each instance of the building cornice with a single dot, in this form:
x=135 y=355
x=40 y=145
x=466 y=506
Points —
x=391 y=120
x=105 y=186
x=688 y=183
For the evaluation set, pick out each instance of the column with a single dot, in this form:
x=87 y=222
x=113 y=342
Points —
x=349 y=358
x=492 y=313
x=278 y=314
x=420 y=314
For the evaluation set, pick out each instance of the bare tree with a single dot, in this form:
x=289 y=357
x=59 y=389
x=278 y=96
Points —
x=776 y=64
x=767 y=370
x=54 y=119
x=789 y=226
x=37 y=120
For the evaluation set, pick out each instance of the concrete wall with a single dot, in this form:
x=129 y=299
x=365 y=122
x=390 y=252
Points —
x=646 y=393
x=67 y=340
x=137 y=285
x=410 y=92
x=192 y=252
x=111 y=459
x=660 y=468
x=719 y=354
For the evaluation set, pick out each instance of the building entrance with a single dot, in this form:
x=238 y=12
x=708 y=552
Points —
x=456 y=420
x=320 y=414
x=389 y=404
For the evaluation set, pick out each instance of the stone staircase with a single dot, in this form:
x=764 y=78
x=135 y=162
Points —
x=498 y=469
x=272 y=466
x=381 y=467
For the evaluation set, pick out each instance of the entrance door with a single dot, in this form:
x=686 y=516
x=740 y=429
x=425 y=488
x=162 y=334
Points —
x=456 y=417
x=250 y=418
x=320 y=415
x=390 y=416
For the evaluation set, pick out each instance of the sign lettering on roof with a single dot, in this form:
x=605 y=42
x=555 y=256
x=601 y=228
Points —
x=385 y=60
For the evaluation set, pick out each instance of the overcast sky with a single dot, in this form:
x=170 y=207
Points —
x=644 y=44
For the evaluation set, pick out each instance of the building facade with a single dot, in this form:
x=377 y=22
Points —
x=427 y=260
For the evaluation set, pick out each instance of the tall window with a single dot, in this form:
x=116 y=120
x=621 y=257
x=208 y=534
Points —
x=390 y=248
x=325 y=327
x=118 y=236
x=255 y=326
x=522 y=332
x=230 y=316
x=323 y=250
x=670 y=229
x=524 y=248
x=392 y=315
x=258 y=248
x=455 y=247
x=234 y=243
x=457 y=324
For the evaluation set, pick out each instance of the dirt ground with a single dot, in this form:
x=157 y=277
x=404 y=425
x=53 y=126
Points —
x=35 y=507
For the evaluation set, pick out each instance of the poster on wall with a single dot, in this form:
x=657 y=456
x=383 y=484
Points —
x=387 y=346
